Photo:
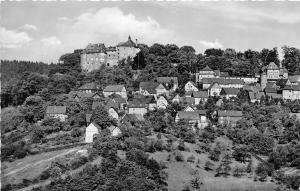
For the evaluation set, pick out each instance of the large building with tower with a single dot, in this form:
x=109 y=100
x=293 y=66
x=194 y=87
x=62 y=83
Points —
x=96 y=55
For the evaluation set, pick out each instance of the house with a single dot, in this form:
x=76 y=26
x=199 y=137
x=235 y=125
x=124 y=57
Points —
x=188 y=108
x=114 y=131
x=139 y=108
x=206 y=72
x=148 y=88
x=115 y=89
x=214 y=89
x=223 y=82
x=117 y=100
x=272 y=90
x=162 y=102
x=197 y=117
x=200 y=96
x=272 y=71
x=170 y=82
x=85 y=95
x=149 y=101
x=88 y=88
x=256 y=96
x=58 y=112
x=113 y=113
x=229 y=117
x=291 y=92
x=91 y=130
x=161 y=89
x=189 y=100
x=190 y=86
x=229 y=92
x=177 y=98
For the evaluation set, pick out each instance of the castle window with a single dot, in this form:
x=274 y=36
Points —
x=107 y=64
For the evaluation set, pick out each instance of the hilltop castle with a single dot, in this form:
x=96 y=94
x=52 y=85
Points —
x=95 y=55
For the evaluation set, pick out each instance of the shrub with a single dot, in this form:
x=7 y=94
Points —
x=208 y=166
x=150 y=147
x=214 y=154
x=238 y=171
x=178 y=156
x=158 y=145
x=202 y=148
x=181 y=146
x=78 y=161
x=191 y=159
x=45 y=174
x=262 y=171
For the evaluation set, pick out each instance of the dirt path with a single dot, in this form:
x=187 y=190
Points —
x=37 y=163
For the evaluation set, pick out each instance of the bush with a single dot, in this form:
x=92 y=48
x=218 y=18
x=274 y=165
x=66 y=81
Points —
x=45 y=175
x=262 y=171
x=191 y=159
x=150 y=147
x=178 y=156
x=202 y=148
x=78 y=162
x=208 y=166
x=181 y=146
x=158 y=145
x=214 y=154
x=238 y=171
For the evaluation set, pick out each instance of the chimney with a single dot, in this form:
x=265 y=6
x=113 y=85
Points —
x=136 y=41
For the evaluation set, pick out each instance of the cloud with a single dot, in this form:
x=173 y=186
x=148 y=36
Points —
x=12 y=38
x=209 y=44
x=111 y=25
x=63 y=19
x=51 y=41
x=29 y=27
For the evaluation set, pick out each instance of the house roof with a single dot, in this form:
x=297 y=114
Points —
x=136 y=104
x=206 y=69
x=230 y=113
x=229 y=91
x=88 y=86
x=128 y=43
x=201 y=112
x=56 y=110
x=111 y=103
x=256 y=95
x=189 y=100
x=130 y=117
x=144 y=99
x=294 y=78
x=272 y=66
x=223 y=81
x=189 y=115
x=114 y=88
x=292 y=87
x=215 y=85
x=200 y=94
x=192 y=83
x=282 y=82
x=149 y=86
x=167 y=80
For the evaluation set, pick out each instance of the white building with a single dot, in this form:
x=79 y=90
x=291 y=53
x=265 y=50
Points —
x=190 y=86
x=91 y=130
x=115 y=89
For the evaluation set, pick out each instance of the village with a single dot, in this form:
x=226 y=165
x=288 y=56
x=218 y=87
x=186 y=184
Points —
x=273 y=83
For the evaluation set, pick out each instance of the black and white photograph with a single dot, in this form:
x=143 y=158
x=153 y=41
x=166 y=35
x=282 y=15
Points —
x=150 y=95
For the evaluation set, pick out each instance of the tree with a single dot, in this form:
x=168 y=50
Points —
x=224 y=167
x=291 y=59
x=33 y=109
x=208 y=165
x=102 y=118
x=241 y=153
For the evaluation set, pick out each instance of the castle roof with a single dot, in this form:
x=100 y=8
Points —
x=95 y=48
x=128 y=43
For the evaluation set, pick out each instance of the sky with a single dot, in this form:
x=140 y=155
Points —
x=43 y=31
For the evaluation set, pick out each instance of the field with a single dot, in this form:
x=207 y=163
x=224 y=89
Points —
x=30 y=167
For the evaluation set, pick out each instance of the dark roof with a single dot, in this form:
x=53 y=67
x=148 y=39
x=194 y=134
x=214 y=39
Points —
x=206 y=69
x=167 y=80
x=272 y=66
x=222 y=81
x=281 y=83
x=149 y=86
x=189 y=115
x=89 y=86
x=200 y=94
x=292 y=87
x=224 y=74
x=189 y=100
x=131 y=118
x=128 y=43
x=294 y=78
x=56 y=110
x=256 y=95
x=113 y=88
x=229 y=91
x=144 y=99
x=230 y=113
x=95 y=48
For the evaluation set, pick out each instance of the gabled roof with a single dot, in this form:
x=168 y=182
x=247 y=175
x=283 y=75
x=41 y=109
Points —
x=200 y=94
x=206 y=69
x=272 y=66
x=56 y=110
x=167 y=80
x=144 y=99
x=229 y=91
x=281 y=83
x=149 y=86
x=114 y=88
x=292 y=87
x=89 y=86
x=189 y=100
x=111 y=103
x=215 y=86
x=223 y=81
x=294 y=78
x=188 y=115
x=95 y=104
x=161 y=86
x=128 y=43
x=230 y=113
